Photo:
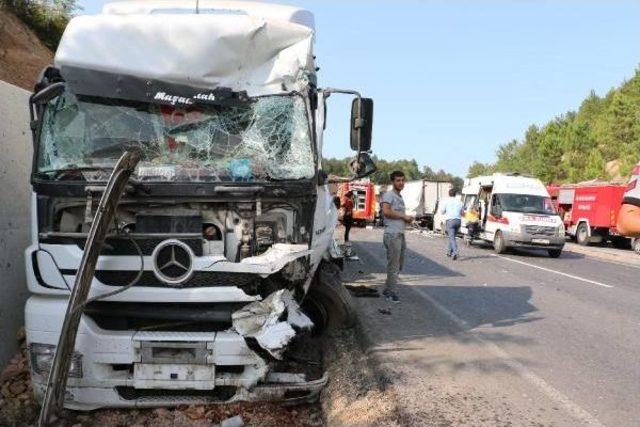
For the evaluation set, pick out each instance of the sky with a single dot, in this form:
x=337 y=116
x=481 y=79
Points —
x=453 y=80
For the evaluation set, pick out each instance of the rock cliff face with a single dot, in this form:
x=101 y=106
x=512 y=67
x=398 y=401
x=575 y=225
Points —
x=22 y=54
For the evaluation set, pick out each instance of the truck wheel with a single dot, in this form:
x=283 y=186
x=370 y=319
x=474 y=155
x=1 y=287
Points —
x=555 y=253
x=636 y=245
x=582 y=234
x=499 y=244
x=328 y=303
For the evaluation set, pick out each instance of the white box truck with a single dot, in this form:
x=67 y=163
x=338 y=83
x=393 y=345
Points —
x=218 y=254
x=421 y=198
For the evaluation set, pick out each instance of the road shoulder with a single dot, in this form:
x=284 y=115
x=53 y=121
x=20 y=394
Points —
x=441 y=373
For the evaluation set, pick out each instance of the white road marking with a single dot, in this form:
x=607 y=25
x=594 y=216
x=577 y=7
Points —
x=571 y=276
x=554 y=394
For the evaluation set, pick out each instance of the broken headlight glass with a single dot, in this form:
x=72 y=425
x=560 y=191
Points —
x=41 y=360
x=267 y=139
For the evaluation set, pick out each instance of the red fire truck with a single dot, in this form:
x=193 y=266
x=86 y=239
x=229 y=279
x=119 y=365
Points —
x=590 y=211
x=364 y=200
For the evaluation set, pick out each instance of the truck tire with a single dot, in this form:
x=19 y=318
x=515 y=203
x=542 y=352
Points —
x=582 y=234
x=328 y=303
x=636 y=245
x=555 y=253
x=499 y=244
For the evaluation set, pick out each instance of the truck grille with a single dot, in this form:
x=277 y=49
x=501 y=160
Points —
x=198 y=279
x=179 y=318
x=123 y=245
x=540 y=230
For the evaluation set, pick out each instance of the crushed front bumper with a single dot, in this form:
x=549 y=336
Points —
x=152 y=368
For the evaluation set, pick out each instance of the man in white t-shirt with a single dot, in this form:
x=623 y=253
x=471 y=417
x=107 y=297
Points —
x=395 y=220
x=629 y=216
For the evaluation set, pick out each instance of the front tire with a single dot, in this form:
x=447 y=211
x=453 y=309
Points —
x=328 y=303
x=555 y=253
x=499 y=244
x=636 y=245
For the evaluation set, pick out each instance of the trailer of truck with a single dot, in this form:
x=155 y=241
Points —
x=421 y=199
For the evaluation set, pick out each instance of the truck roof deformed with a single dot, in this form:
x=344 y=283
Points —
x=218 y=254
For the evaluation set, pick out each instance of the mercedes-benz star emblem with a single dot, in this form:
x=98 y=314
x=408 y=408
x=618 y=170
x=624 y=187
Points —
x=172 y=262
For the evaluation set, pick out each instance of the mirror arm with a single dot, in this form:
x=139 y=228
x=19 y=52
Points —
x=42 y=94
x=328 y=91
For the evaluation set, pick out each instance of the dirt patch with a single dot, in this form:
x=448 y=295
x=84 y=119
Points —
x=22 y=54
x=357 y=393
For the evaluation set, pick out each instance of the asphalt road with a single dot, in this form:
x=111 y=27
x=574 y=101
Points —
x=519 y=339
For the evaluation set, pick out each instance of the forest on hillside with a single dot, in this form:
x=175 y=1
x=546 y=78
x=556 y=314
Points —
x=599 y=141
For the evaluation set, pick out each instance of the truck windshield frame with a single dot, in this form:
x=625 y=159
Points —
x=526 y=203
x=267 y=139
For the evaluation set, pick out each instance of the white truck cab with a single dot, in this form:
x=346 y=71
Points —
x=219 y=253
x=515 y=211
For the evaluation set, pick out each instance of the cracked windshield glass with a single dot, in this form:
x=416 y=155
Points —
x=269 y=139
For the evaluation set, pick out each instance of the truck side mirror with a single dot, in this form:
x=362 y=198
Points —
x=361 y=124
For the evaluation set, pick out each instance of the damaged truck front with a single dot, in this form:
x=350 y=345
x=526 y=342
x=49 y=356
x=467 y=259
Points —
x=220 y=250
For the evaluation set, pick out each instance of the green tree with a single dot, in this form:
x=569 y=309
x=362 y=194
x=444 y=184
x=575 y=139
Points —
x=479 y=168
x=577 y=145
x=47 y=18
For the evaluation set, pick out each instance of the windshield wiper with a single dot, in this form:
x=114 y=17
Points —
x=57 y=173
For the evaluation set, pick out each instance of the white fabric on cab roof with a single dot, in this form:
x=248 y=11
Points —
x=266 y=11
x=239 y=52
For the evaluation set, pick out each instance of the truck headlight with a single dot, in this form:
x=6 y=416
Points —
x=41 y=358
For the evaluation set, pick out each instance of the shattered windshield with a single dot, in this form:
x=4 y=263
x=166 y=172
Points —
x=267 y=139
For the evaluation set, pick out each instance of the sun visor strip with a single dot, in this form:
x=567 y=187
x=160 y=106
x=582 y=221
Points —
x=82 y=81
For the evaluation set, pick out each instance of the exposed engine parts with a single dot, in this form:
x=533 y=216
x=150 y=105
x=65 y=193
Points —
x=233 y=230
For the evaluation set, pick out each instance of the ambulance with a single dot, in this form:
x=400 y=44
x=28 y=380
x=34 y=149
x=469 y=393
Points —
x=515 y=211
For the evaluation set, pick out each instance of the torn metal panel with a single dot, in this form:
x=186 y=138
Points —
x=261 y=320
x=252 y=54
x=295 y=316
x=265 y=140
x=278 y=256
x=53 y=399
